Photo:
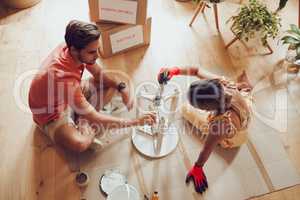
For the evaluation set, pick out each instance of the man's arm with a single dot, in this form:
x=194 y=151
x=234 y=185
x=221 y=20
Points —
x=85 y=109
x=101 y=77
x=82 y=107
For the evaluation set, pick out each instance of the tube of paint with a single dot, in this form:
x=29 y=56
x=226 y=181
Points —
x=155 y=196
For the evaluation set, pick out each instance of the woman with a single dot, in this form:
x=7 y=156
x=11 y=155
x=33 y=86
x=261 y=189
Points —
x=229 y=113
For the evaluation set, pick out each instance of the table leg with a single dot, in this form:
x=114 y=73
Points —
x=299 y=14
x=231 y=42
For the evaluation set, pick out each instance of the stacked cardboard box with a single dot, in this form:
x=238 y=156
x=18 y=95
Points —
x=123 y=24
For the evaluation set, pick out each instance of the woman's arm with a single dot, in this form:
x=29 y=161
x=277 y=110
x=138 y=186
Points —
x=211 y=142
x=200 y=73
x=166 y=74
x=196 y=173
x=218 y=130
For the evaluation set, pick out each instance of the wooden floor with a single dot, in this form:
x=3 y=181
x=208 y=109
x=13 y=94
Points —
x=29 y=169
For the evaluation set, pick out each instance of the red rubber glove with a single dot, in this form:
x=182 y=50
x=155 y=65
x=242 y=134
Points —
x=199 y=179
x=165 y=74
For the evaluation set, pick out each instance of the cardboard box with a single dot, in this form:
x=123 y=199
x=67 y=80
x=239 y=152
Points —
x=118 y=11
x=116 y=39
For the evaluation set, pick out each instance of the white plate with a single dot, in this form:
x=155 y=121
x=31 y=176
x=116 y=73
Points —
x=124 y=192
x=111 y=180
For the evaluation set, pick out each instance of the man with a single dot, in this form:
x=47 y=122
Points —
x=229 y=113
x=57 y=91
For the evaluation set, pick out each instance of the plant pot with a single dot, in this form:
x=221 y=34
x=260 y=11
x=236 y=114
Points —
x=21 y=4
x=213 y=1
x=206 y=1
x=254 y=40
x=293 y=69
x=290 y=56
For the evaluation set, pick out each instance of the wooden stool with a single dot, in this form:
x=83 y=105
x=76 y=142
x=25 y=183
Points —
x=201 y=7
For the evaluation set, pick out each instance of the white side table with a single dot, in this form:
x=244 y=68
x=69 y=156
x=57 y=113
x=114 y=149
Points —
x=160 y=139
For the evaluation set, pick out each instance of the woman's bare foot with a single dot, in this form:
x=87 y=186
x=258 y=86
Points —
x=243 y=81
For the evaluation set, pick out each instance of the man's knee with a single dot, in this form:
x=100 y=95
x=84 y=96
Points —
x=70 y=138
x=80 y=145
x=101 y=98
x=96 y=94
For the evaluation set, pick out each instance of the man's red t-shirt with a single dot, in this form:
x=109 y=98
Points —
x=55 y=86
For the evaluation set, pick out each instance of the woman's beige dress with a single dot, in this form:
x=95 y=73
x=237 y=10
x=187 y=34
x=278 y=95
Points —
x=240 y=104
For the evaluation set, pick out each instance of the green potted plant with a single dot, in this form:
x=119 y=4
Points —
x=292 y=39
x=255 y=20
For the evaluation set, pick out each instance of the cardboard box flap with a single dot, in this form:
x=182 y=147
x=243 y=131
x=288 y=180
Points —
x=94 y=13
x=118 y=11
x=142 y=12
x=118 y=39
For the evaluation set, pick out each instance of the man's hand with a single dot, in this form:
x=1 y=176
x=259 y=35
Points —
x=198 y=177
x=165 y=74
x=149 y=119
x=127 y=99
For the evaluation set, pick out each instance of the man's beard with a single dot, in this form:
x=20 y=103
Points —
x=82 y=60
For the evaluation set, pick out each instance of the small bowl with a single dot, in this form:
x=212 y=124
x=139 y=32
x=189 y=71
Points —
x=82 y=179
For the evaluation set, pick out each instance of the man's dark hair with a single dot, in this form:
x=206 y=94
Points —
x=80 y=34
x=207 y=94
